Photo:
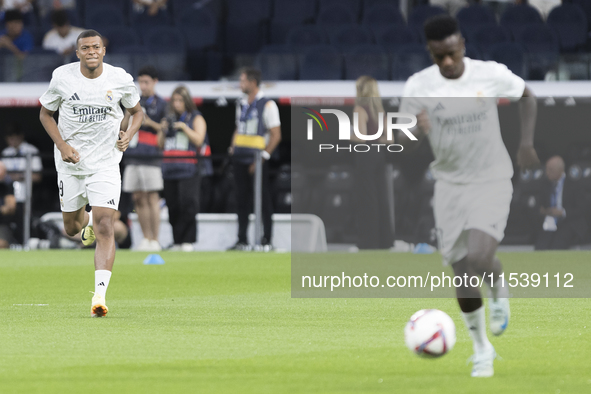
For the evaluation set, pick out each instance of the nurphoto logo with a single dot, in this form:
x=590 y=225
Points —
x=345 y=131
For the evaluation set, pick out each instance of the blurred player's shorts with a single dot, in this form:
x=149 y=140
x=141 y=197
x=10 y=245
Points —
x=461 y=207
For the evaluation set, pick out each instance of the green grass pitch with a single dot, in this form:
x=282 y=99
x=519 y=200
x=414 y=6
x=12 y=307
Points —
x=225 y=323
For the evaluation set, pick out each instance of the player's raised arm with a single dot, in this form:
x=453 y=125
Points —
x=69 y=154
x=528 y=109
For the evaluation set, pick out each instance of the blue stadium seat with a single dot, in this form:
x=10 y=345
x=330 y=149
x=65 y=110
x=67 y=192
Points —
x=352 y=5
x=570 y=23
x=199 y=27
x=486 y=36
x=179 y=7
x=421 y=13
x=542 y=48
x=288 y=14
x=408 y=60
x=244 y=38
x=302 y=37
x=164 y=39
x=170 y=66
x=123 y=60
x=473 y=17
x=517 y=17
x=301 y=11
x=335 y=15
x=321 y=62
x=510 y=54
x=120 y=39
x=586 y=6
x=142 y=19
x=38 y=66
x=248 y=11
x=369 y=4
x=104 y=16
x=383 y=14
x=347 y=37
x=473 y=52
x=392 y=38
x=277 y=66
x=90 y=7
x=367 y=60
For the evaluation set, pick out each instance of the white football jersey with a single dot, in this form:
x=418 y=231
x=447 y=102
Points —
x=465 y=134
x=90 y=115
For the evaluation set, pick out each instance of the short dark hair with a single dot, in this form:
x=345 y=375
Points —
x=89 y=33
x=13 y=15
x=252 y=74
x=150 y=71
x=440 y=27
x=60 y=17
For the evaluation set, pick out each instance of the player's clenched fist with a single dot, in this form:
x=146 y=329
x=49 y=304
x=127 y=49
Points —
x=527 y=157
x=123 y=141
x=69 y=154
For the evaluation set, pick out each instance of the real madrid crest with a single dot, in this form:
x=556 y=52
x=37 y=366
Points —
x=109 y=96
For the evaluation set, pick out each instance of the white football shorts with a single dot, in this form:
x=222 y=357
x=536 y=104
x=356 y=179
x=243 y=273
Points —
x=101 y=189
x=461 y=207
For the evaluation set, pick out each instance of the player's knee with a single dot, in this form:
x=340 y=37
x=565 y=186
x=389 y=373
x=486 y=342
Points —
x=71 y=227
x=103 y=227
x=479 y=260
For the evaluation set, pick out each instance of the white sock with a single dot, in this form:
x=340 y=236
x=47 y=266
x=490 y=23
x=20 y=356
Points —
x=101 y=281
x=89 y=218
x=475 y=321
x=500 y=289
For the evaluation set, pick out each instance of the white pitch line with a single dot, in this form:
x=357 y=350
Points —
x=30 y=304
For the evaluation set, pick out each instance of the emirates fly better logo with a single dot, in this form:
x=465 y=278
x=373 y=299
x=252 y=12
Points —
x=345 y=131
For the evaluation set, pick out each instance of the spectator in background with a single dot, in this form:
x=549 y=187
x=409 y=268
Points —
x=150 y=7
x=185 y=134
x=15 y=161
x=563 y=209
x=14 y=37
x=7 y=208
x=25 y=7
x=143 y=175
x=451 y=6
x=258 y=128
x=62 y=37
x=373 y=213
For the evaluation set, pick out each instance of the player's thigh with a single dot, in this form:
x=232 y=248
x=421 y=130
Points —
x=450 y=221
x=72 y=192
x=104 y=189
x=488 y=207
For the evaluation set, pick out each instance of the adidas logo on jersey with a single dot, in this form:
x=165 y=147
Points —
x=438 y=107
x=111 y=202
x=101 y=284
x=75 y=97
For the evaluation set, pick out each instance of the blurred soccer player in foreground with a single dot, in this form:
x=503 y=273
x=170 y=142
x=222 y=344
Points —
x=472 y=168
x=88 y=148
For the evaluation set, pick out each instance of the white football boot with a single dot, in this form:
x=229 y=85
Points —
x=499 y=315
x=483 y=363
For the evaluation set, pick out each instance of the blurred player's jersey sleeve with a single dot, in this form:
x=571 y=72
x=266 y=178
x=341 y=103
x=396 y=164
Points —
x=130 y=96
x=52 y=98
x=508 y=84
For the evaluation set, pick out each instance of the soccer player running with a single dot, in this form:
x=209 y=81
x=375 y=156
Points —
x=89 y=144
x=472 y=169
